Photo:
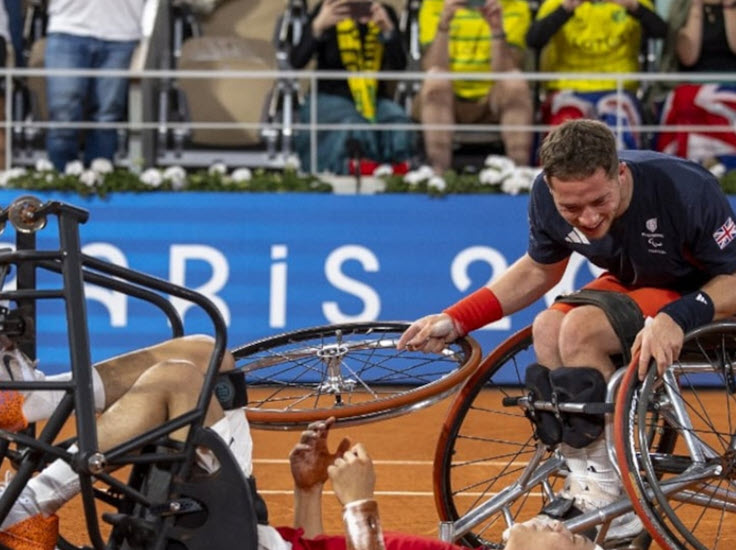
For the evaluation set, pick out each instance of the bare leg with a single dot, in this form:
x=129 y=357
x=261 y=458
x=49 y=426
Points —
x=437 y=108
x=120 y=373
x=546 y=336
x=587 y=339
x=512 y=100
x=165 y=390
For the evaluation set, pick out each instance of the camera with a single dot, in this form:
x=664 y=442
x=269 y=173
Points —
x=359 y=9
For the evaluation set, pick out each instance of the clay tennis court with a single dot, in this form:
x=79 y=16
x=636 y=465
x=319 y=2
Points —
x=402 y=449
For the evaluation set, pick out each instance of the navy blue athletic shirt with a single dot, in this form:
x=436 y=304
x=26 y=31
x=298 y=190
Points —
x=678 y=232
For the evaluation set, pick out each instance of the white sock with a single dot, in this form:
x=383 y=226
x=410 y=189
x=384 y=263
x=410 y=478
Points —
x=40 y=405
x=23 y=508
x=55 y=485
x=600 y=468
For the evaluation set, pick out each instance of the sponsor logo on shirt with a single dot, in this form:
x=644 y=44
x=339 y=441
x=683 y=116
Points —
x=576 y=237
x=725 y=234
x=654 y=240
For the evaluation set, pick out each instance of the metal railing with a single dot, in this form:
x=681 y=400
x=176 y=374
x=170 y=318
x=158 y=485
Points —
x=142 y=120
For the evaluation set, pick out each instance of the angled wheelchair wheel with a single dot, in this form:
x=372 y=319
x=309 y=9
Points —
x=485 y=448
x=687 y=496
x=351 y=371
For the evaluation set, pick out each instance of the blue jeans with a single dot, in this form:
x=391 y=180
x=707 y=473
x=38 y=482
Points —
x=380 y=146
x=77 y=98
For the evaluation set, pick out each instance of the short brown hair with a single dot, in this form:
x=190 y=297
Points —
x=577 y=148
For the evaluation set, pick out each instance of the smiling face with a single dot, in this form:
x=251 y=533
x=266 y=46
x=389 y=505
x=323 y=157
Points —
x=555 y=536
x=592 y=203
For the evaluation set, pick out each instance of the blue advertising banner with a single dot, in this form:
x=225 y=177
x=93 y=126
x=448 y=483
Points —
x=279 y=262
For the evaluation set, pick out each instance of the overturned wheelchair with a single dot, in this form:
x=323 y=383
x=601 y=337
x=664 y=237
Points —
x=672 y=441
x=353 y=372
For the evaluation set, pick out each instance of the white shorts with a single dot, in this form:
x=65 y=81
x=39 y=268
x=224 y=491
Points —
x=235 y=432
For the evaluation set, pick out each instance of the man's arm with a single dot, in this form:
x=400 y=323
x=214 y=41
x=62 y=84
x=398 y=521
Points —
x=437 y=54
x=520 y=286
x=354 y=479
x=505 y=56
x=309 y=460
x=662 y=338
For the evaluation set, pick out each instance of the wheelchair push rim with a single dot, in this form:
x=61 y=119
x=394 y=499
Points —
x=350 y=371
x=686 y=498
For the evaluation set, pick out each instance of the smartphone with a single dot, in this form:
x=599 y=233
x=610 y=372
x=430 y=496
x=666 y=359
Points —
x=476 y=4
x=359 y=9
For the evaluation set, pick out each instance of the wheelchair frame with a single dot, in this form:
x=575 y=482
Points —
x=29 y=215
x=669 y=455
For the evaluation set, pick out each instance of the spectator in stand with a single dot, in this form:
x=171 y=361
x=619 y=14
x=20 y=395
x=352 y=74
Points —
x=14 y=12
x=467 y=36
x=701 y=38
x=342 y=37
x=88 y=34
x=588 y=36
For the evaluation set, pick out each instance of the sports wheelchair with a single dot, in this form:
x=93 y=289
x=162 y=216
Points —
x=671 y=439
x=353 y=372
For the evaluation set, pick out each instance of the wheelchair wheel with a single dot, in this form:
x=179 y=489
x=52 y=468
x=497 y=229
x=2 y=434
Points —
x=484 y=447
x=352 y=372
x=687 y=496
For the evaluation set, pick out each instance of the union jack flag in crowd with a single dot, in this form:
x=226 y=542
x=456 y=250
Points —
x=725 y=234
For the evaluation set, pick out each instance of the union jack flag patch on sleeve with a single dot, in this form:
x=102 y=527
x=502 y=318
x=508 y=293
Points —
x=725 y=234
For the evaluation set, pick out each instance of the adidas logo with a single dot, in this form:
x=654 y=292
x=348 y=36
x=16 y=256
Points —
x=700 y=298
x=576 y=237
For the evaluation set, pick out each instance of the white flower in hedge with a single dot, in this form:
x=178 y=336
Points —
x=438 y=183
x=718 y=170
x=217 y=168
x=43 y=165
x=383 y=170
x=9 y=175
x=520 y=180
x=176 y=176
x=504 y=166
x=490 y=176
x=421 y=174
x=90 y=178
x=152 y=177
x=241 y=175
x=292 y=162
x=101 y=166
x=74 y=168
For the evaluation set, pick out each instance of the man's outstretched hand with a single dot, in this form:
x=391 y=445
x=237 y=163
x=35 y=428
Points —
x=310 y=457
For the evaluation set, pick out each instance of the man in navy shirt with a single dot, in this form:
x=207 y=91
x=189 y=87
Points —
x=664 y=232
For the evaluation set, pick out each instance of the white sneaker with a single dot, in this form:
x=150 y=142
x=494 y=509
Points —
x=588 y=495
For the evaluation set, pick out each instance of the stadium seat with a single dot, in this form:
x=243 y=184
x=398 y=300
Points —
x=240 y=36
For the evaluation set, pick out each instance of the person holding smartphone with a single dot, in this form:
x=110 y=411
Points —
x=354 y=36
x=474 y=36
x=577 y=36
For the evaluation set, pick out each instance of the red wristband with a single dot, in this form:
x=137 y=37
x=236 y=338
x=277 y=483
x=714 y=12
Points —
x=476 y=310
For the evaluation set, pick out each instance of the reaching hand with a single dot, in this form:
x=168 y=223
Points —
x=330 y=14
x=570 y=5
x=380 y=17
x=352 y=475
x=493 y=14
x=429 y=334
x=661 y=339
x=310 y=457
x=449 y=8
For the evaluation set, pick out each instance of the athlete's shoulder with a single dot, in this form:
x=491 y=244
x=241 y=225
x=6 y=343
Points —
x=659 y=168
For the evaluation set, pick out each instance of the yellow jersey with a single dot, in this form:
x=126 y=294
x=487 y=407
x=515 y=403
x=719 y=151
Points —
x=470 y=48
x=599 y=37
